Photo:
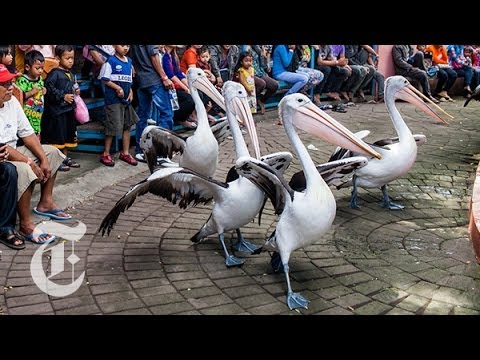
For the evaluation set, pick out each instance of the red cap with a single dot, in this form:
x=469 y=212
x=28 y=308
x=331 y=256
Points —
x=5 y=75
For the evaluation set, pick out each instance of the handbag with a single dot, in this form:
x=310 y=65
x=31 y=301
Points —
x=81 y=110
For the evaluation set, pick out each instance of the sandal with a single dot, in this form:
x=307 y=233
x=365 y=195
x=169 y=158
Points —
x=107 y=160
x=129 y=159
x=71 y=163
x=340 y=108
x=12 y=239
x=63 y=167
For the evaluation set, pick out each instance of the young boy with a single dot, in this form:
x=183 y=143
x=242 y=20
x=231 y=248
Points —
x=116 y=74
x=59 y=127
x=31 y=83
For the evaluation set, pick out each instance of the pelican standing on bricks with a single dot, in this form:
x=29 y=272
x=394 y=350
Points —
x=199 y=152
x=398 y=154
x=304 y=216
x=236 y=202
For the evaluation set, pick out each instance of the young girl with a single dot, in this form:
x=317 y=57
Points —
x=31 y=83
x=6 y=57
x=244 y=72
x=58 y=122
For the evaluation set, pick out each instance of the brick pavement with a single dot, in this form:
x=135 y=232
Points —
x=372 y=261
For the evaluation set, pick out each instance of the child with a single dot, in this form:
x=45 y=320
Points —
x=116 y=74
x=203 y=62
x=244 y=72
x=59 y=127
x=6 y=57
x=31 y=84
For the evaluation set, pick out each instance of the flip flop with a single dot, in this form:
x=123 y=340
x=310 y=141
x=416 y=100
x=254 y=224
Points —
x=35 y=238
x=51 y=214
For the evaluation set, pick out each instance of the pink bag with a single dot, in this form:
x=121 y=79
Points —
x=81 y=110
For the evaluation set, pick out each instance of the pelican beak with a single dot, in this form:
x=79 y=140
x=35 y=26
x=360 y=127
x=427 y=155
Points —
x=205 y=86
x=311 y=119
x=413 y=96
x=242 y=111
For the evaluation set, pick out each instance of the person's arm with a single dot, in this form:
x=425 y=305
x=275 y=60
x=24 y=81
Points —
x=55 y=94
x=96 y=56
x=157 y=65
x=43 y=172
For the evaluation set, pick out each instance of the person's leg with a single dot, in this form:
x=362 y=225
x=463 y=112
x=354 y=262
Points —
x=144 y=109
x=161 y=102
x=452 y=76
x=442 y=77
x=298 y=81
x=271 y=86
x=380 y=79
x=9 y=191
x=260 y=85
x=187 y=106
x=108 y=144
x=337 y=78
x=317 y=90
x=8 y=206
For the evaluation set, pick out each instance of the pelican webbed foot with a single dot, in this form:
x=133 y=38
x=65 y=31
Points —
x=296 y=301
x=232 y=260
x=387 y=203
x=243 y=245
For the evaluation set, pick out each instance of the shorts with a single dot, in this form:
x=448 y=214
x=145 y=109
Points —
x=25 y=173
x=118 y=118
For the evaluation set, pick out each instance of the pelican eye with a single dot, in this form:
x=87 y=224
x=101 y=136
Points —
x=300 y=100
x=240 y=92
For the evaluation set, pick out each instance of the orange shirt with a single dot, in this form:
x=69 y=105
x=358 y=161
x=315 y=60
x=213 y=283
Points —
x=188 y=58
x=439 y=55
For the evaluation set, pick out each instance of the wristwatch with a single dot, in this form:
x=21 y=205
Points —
x=165 y=78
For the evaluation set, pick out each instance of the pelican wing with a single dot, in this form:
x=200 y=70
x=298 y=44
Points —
x=420 y=139
x=157 y=141
x=172 y=184
x=341 y=153
x=220 y=130
x=280 y=161
x=332 y=172
x=267 y=179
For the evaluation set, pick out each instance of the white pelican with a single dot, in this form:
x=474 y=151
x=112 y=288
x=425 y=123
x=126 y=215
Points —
x=307 y=215
x=398 y=154
x=236 y=202
x=199 y=152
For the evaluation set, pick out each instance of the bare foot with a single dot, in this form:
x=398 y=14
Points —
x=262 y=107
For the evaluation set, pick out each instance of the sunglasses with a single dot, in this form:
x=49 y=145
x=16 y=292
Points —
x=6 y=84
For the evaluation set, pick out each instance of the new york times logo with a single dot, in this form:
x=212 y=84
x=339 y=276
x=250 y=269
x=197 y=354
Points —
x=56 y=263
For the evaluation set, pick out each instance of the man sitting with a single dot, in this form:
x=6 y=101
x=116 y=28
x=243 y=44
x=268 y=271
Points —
x=34 y=162
x=8 y=205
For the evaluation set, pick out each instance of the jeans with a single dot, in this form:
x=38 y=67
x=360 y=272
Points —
x=298 y=80
x=153 y=101
x=9 y=194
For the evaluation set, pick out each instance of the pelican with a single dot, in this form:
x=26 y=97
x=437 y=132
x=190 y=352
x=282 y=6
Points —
x=475 y=96
x=307 y=215
x=236 y=202
x=199 y=152
x=398 y=153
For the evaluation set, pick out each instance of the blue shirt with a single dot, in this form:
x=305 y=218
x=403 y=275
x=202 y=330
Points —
x=282 y=56
x=119 y=72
